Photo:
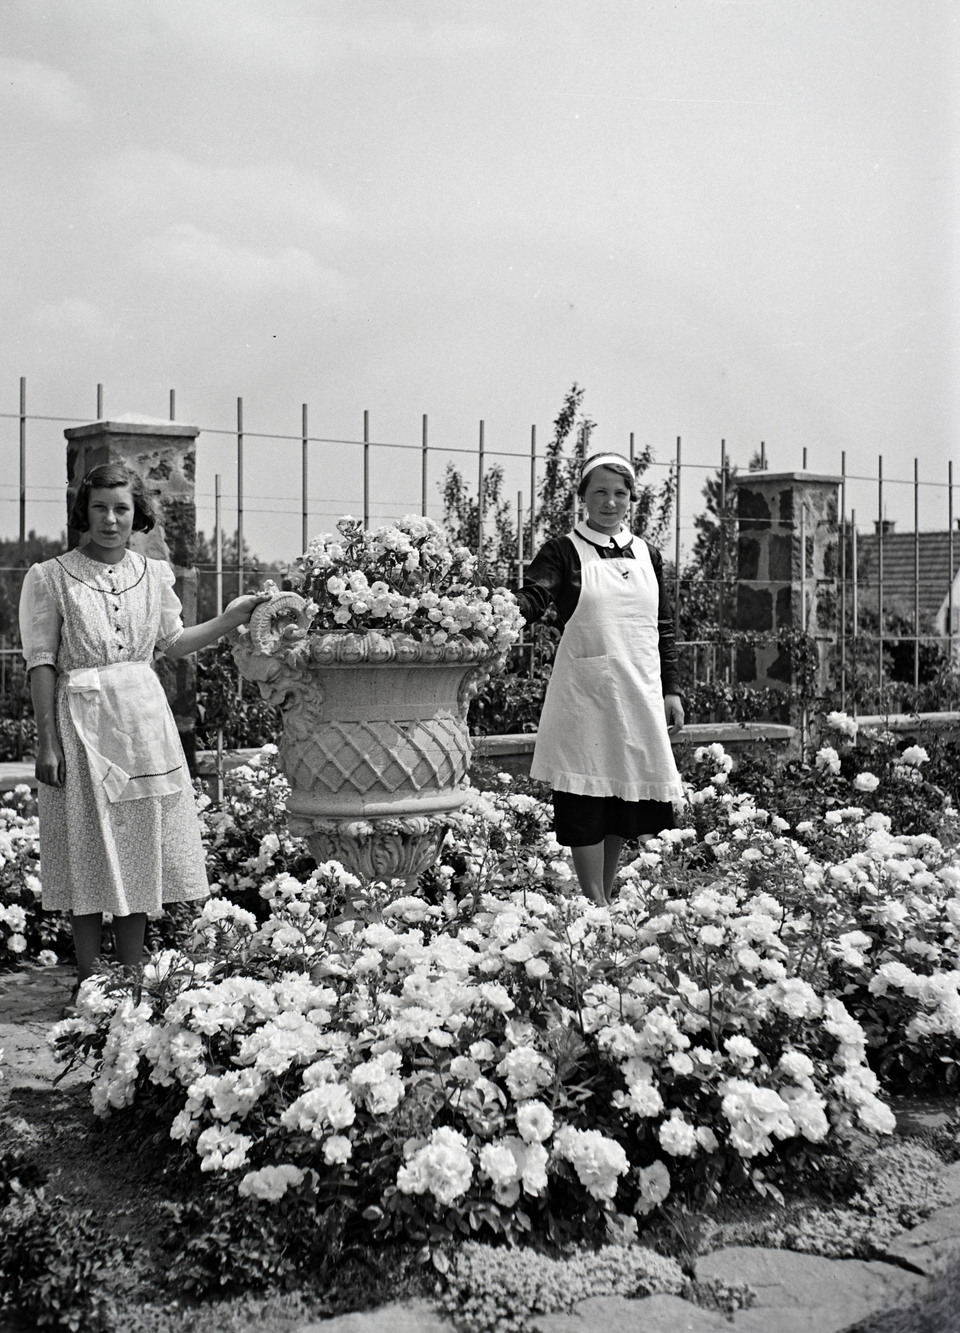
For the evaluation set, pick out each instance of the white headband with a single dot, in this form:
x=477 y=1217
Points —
x=602 y=460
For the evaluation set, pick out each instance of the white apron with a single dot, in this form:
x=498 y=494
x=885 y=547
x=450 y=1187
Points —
x=125 y=724
x=603 y=731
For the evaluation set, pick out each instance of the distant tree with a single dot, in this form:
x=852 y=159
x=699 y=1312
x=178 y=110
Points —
x=13 y=566
x=708 y=580
x=557 y=508
x=461 y=517
x=255 y=571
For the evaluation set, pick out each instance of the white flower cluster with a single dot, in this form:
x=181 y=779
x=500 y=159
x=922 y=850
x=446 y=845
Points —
x=404 y=578
x=532 y=1038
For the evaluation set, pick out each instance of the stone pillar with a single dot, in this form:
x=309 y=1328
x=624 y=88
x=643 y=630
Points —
x=164 y=454
x=787 y=572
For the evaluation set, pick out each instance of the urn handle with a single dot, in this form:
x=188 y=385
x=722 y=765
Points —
x=279 y=623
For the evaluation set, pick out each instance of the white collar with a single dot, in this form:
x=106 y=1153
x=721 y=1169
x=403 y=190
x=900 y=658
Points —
x=623 y=538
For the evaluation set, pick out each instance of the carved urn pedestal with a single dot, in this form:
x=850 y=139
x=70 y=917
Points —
x=374 y=744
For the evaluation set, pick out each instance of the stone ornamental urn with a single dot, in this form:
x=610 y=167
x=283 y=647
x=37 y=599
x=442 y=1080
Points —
x=374 y=742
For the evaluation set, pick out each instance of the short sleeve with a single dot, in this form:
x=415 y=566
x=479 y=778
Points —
x=40 y=620
x=171 y=611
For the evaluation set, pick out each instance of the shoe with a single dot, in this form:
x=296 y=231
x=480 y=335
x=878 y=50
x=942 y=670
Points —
x=69 y=1010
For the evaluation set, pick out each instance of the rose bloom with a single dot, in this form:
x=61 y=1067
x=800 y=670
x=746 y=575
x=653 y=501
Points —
x=915 y=754
x=827 y=760
x=270 y=1182
x=677 y=1137
x=847 y=726
x=654 y=1182
x=337 y=1149
x=534 y=1122
x=442 y=1167
x=866 y=782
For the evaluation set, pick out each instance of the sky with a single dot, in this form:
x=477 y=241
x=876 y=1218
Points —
x=727 y=220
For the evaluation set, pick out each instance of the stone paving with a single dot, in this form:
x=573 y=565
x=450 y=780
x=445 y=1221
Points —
x=796 y=1293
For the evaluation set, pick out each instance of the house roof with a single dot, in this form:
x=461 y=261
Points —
x=899 y=568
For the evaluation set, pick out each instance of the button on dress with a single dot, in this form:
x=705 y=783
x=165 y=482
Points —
x=103 y=847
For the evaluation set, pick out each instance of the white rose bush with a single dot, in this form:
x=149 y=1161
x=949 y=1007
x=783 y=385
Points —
x=27 y=935
x=496 y=1057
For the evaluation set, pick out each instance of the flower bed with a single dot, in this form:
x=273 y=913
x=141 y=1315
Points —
x=497 y=1058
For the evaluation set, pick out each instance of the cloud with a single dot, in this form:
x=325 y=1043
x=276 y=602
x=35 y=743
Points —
x=72 y=316
x=149 y=180
x=188 y=255
x=41 y=90
x=301 y=37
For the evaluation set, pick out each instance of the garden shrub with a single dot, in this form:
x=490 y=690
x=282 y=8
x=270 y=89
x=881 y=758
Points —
x=897 y=1186
x=54 y=1258
x=490 y=1289
x=18 y=737
x=27 y=934
x=225 y=1244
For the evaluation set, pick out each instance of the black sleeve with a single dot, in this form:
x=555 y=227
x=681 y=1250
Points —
x=545 y=579
x=669 y=664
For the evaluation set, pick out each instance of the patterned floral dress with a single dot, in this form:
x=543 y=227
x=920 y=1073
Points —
x=100 y=854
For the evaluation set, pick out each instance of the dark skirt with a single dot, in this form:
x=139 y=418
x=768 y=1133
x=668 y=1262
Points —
x=582 y=821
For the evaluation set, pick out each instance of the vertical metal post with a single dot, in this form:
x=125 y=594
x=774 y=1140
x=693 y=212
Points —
x=763 y=456
x=519 y=538
x=916 y=574
x=23 y=470
x=218 y=542
x=804 y=458
x=173 y=404
x=721 y=597
x=304 y=478
x=481 y=499
x=423 y=465
x=99 y=402
x=633 y=469
x=533 y=491
x=676 y=550
x=803 y=566
x=880 y=582
x=218 y=558
x=950 y=526
x=533 y=533
x=843 y=580
x=239 y=497
x=854 y=600
x=366 y=468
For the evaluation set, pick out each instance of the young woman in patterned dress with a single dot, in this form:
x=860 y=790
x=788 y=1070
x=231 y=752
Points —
x=118 y=824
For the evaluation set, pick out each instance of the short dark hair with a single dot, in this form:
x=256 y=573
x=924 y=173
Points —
x=108 y=477
x=622 y=469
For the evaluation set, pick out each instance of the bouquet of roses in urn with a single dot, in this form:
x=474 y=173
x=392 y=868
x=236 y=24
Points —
x=406 y=578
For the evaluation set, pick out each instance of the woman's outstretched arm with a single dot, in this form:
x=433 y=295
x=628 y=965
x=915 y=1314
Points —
x=234 y=615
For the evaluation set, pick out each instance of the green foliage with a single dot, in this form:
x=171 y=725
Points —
x=223 y=1244
x=556 y=511
x=461 y=518
x=228 y=703
x=54 y=1258
x=13 y=565
x=899 y=1185
x=18 y=737
x=491 y=1289
x=27 y=934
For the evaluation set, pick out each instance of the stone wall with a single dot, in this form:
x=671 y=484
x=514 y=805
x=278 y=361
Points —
x=164 y=454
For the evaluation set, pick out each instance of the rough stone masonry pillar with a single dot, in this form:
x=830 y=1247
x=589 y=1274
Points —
x=787 y=574
x=164 y=454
